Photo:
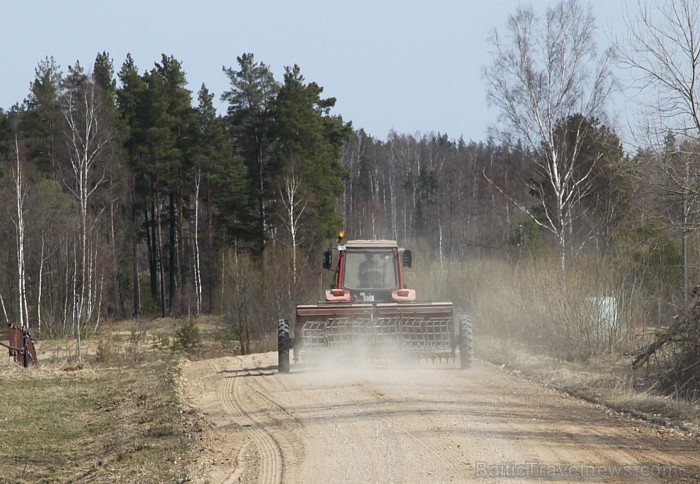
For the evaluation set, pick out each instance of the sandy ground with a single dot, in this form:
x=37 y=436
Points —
x=424 y=424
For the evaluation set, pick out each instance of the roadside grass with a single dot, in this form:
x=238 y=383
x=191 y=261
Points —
x=91 y=424
x=603 y=379
x=115 y=417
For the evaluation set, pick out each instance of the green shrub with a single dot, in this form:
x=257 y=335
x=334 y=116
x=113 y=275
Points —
x=188 y=338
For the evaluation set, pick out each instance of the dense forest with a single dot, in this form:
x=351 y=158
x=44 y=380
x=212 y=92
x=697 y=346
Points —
x=122 y=194
x=127 y=195
x=133 y=193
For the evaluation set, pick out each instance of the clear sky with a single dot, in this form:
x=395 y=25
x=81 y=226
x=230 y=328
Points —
x=413 y=66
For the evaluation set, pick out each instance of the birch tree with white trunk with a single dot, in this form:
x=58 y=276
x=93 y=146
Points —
x=20 y=197
x=86 y=138
x=294 y=205
x=544 y=72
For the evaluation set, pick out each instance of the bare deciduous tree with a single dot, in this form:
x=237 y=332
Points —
x=294 y=205
x=86 y=138
x=240 y=297
x=662 y=49
x=20 y=196
x=544 y=73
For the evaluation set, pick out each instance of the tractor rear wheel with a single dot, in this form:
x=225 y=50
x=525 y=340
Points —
x=465 y=342
x=283 y=346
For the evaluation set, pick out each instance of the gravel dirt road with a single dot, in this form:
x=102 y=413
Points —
x=424 y=424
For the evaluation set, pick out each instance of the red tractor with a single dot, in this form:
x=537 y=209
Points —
x=370 y=311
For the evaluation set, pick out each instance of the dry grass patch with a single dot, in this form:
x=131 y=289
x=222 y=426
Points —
x=118 y=424
x=604 y=379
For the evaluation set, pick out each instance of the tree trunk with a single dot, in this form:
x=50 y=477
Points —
x=183 y=255
x=261 y=199
x=22 y=315
x=209 y=264
x=172 y=250
x=117 y=297
x=40 y=289
x=197 y=274
x=152 y=241
x=136 y=295
x=159 y=248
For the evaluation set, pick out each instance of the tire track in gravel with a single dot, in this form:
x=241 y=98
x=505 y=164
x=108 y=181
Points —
x=229 y=393
x=235 y=476
x=287 y=423
x=284 y=427
x=326 y=407
x=369 y=397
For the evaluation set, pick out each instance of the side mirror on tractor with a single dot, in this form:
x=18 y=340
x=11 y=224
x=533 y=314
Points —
x=327 y=258
x=406 y=259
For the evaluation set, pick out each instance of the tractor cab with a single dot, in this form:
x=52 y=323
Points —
x=369 y=271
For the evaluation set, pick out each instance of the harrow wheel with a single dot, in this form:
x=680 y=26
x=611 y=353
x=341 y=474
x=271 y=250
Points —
x=283 y=341
x=465 y=342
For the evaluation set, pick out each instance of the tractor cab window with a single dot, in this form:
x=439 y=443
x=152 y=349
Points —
x=370 y=270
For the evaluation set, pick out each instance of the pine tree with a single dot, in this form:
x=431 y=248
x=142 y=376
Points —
x=250 y=121
x=169 y=121
x=130 y=102
x=224 y=189
x=42 y=121
x=309 y=143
